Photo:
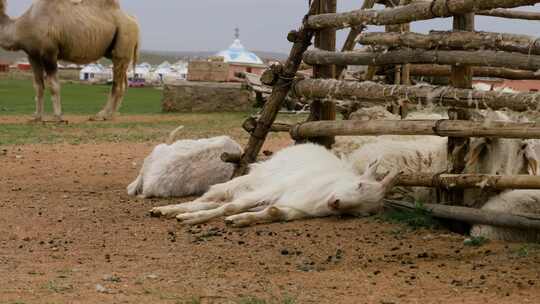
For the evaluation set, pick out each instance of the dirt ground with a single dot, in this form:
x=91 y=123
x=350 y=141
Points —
x=70 y=234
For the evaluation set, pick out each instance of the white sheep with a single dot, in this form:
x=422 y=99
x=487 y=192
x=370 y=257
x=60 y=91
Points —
x=408 y=156
x=302 y=181
x=513 y=201
x=184 y=168
x=345 y=145
x=485 y=156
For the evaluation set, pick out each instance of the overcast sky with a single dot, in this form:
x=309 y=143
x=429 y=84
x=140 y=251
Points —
x=208 y=25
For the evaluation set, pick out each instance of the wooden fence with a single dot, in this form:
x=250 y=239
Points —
x=456 y=54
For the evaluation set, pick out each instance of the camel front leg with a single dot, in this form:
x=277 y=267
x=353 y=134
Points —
x=39 y=87
x=54 y=85
x=118 y=90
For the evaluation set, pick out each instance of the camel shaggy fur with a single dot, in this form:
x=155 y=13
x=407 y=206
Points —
x=79 y=31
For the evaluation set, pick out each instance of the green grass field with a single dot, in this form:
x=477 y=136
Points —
x=140 y=117
x=17 y=98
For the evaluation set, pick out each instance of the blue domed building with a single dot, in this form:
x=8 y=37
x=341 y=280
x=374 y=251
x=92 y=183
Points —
x=240 y=60
x=237 y=53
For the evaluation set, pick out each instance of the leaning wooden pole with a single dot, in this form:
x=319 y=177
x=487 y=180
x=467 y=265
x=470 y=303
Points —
x=416 y=11
x=325 y=39
x=302 y=40
x=350 y=92
x=460 y=40
x=473 y=216
x=444 y=57
x=444 y=128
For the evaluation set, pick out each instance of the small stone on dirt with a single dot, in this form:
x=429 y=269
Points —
x=101 y=289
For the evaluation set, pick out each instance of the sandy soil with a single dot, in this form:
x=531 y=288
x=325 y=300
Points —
x=70 y=234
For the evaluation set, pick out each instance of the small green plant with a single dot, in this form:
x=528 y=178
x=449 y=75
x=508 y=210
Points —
x=419 y=217
x=475 y=241
x=527 y=249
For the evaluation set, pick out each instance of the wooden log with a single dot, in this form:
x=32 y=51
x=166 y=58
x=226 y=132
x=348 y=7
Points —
x=415 y=11
x=422 y=95
x=445 y=70
x=250 y=125
x=463 y=181
x=473 y=216
x=456 y=41
x=302 y=40
x=510 y=14
x=443 y=128
x=325 y=39
x=473 y=58
x=350 y=41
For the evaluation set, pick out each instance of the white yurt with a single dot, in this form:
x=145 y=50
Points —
x=162 y=71
x=181 y=69
x=92 y=72
x=142 y=71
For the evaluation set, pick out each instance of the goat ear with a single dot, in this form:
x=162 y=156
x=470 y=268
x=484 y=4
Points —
x=371 y=169
x=533 y=163
x=477 y=147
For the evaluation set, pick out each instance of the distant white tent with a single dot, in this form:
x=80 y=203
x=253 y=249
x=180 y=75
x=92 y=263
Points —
x=142 y=71
x=162 y=71
x=181 y=69
x=95 y=72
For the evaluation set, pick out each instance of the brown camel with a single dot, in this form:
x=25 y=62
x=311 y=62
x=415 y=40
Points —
x=79 y=31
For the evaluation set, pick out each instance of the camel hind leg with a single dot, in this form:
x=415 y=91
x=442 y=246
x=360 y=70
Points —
x=39 y=87
x=123 y=54
x=118 y=90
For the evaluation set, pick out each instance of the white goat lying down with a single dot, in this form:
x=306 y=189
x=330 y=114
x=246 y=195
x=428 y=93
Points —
x=302 y=181
x=485 y=156
x=184 y=168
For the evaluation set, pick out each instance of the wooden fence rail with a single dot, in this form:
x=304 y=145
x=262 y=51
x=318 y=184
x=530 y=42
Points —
x=510 y=14
x=473 y=216
x=461 y=181
x=474 y=58
x=450 y=128
x=423 y=95
x=456 y=41
x=415 y=11
x=478 y=71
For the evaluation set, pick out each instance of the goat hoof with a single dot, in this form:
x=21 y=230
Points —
x=155 y=212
